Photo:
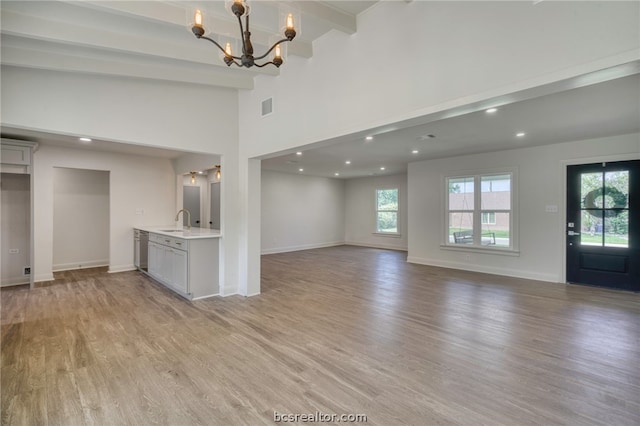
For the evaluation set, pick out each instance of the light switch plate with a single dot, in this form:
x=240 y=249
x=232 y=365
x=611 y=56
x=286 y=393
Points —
x=551 y=209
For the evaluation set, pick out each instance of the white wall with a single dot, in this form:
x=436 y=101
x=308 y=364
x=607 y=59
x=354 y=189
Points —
x=541 y=182
x=300 y=212
x=136 y=184
x=189 y=117
x=15 y=227
x=360 y=218
x=409 y=59
x=453 y=55
x=80 y=218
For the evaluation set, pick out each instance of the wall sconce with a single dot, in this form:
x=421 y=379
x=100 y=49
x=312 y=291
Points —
x=193 y=178
x=218 y=172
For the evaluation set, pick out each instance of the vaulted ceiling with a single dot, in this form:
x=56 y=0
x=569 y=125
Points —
x=152 y=39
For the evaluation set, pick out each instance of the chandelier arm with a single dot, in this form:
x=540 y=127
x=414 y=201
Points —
x=244 y=44
x=219 y=47
x=272 y=47
x=265 y=64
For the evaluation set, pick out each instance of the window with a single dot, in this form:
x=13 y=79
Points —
x=479 y=211
x=387 y=211
x=488 y=218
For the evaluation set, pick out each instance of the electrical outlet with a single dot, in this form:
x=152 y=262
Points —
x=14 y=251
x=27 y=270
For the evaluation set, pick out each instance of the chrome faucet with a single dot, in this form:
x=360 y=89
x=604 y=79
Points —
x=188 y=217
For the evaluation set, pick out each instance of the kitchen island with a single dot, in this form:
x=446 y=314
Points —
x=184 y=260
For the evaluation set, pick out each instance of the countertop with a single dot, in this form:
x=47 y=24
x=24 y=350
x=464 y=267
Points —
x=184 y=233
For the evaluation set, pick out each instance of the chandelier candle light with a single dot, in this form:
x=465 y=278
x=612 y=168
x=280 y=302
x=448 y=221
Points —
x=240 y=9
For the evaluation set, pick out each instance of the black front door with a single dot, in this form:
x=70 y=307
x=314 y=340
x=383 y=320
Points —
x=603 y=224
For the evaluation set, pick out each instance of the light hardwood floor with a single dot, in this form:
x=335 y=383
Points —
x=337 y=330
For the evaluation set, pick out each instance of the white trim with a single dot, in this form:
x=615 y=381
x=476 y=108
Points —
x=376 y=245
x=301 y=247
x=387 y=234
x=80 y=265
x=205 y=297
x=12 y=281
x=253 y=294
x=121 y=268
x=44 y=277
x=516 y=273
x=483 y=249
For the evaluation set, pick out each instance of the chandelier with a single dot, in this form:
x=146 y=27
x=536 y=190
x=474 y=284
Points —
x=240 y=8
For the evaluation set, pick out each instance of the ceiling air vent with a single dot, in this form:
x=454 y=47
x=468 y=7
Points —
x=267 y=107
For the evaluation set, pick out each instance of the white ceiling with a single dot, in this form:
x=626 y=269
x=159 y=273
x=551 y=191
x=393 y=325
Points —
x=598 y=110
x=152 y=40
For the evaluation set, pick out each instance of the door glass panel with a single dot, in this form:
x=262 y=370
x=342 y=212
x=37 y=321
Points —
x=461 y=193
x=591 y=190
x=617 y=229
x=461 y=227
x=616 y=189
x=591 y=228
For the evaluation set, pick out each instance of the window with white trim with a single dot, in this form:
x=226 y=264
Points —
x=479 y=210
x=387 y=211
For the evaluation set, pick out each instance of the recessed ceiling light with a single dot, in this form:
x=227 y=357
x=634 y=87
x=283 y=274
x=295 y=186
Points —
x=491 y=110
x=200 y=173
x=85 y=139
x=347 y=162
x=520 y=134
x=336 y=174
x=369 y=138
x=381 y=168
x=298 y=153
x=415 y=151
x=301 y=170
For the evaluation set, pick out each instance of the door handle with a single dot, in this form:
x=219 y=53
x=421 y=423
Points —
x=571 y=233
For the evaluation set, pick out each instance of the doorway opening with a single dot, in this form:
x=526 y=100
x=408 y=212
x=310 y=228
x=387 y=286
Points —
x=80 y=218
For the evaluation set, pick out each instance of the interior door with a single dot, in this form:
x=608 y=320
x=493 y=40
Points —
x=191 y=202
x=603 y=224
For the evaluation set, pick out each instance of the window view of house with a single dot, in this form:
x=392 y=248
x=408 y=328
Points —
x=480 y=217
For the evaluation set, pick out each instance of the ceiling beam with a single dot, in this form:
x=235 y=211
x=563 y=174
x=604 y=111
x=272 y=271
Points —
x=33 y=27
x=329 y=16
x=173 y=14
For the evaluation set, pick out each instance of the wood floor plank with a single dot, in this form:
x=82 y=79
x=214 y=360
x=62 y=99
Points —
x=337 y=330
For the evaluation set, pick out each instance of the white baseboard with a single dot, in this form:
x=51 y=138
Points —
x=80 y=265
x=206 y=297
x=121 y=268
x=11 y=281
x=376 y=245
x=253 y=294
x=553 y=278
x=43 y=277
x=301 y=247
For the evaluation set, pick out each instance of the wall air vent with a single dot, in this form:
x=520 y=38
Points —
x=267 y=107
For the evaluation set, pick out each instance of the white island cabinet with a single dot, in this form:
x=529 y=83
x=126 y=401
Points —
x=186 y=261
